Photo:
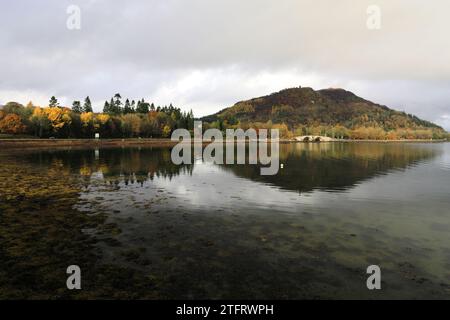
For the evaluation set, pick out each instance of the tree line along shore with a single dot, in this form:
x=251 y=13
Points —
x=131 y=119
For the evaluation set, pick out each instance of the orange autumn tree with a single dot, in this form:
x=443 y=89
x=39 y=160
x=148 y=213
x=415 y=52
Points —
x=12 y=124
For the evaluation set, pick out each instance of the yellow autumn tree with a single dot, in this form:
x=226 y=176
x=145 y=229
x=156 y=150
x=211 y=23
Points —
x=40 y=123
x=166 y=131
x=131 y=125
x=87 y=119
x=284 y=130
x=392 y=135
x=87 y=124
x=103 y=118
x=58 y=117
x=100 y=121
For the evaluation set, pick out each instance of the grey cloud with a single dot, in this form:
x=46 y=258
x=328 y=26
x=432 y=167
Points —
x=153 y=49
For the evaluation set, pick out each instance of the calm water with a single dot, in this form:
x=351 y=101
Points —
x=224 y=231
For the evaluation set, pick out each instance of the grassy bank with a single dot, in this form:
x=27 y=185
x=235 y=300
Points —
x=34 y=143
x=51 y=143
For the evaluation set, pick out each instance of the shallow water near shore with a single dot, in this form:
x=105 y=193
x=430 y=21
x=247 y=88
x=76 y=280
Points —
x=141 y=227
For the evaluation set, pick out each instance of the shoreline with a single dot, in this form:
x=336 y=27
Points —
x=395 y=141
x=156 y=142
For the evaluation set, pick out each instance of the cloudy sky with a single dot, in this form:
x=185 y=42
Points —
x=208 y=54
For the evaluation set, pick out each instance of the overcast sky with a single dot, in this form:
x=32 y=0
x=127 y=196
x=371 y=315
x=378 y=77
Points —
x=208 y=54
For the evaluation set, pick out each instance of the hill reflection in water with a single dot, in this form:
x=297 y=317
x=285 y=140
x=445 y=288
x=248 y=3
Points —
x=336 y=166
x=306 y=167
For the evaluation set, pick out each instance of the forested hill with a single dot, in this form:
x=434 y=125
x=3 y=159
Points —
x=312 y=112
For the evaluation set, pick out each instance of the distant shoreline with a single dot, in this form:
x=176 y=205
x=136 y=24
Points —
x=156 y=142
x=390 y=141
x=39 y=143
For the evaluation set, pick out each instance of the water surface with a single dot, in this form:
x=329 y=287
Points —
x=142 y=227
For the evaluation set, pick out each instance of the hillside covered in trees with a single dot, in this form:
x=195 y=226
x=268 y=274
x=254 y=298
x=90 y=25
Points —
x=335 y=113
x=118 y=120
x=299 y=111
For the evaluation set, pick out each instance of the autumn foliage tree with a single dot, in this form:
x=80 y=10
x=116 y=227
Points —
x=40 y=124
x=60 y=120
x=12 y=124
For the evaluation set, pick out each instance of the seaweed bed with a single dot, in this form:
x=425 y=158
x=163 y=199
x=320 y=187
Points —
x=41 y=234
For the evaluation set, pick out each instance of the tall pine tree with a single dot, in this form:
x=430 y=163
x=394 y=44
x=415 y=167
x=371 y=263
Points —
x=112 y=107
x=76 y=107
x=53 y=102
x=127 y=108
x=87 y=107
x=117 y=104
x=106 y=107
x=142 y=107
